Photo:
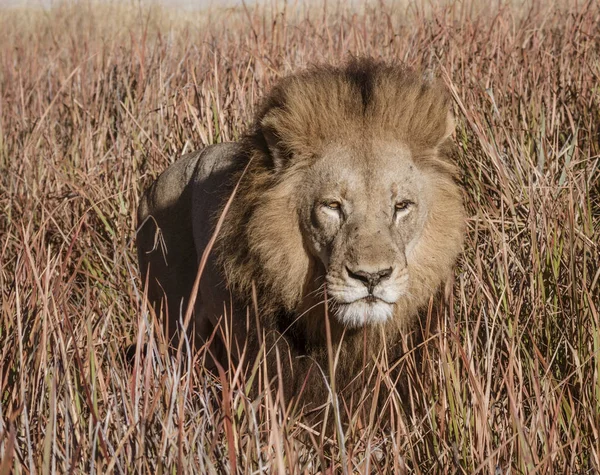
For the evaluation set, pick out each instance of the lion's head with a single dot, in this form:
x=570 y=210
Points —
x=349 y=188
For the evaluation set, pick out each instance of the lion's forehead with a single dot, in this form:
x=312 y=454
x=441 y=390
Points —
x=381 y=170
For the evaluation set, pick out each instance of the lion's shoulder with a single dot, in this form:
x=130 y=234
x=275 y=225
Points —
x=194 y=174
x=212 y=182
x=216 y=160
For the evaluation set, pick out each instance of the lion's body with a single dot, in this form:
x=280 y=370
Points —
x=345 y=180
x=175 y=216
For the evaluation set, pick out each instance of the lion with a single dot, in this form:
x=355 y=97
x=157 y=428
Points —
x=339 y=218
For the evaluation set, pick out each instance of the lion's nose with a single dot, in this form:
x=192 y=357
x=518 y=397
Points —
x=370 y=279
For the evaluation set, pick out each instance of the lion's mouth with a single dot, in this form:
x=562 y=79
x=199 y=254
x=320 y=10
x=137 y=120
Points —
x=381 y=295
x=370 y=299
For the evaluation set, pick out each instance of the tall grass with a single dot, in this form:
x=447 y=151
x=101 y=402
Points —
x=97 y=99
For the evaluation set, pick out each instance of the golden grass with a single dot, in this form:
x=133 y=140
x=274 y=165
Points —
x=97 y=100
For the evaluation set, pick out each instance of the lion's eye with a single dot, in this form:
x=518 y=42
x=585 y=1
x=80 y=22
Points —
x=402 y=209
x=334 y=205
x=403 y=205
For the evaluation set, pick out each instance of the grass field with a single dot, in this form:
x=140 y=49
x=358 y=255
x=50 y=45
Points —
x=96 y=100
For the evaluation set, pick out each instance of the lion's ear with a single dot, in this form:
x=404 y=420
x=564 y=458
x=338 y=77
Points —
x=450 y=126
x=276 y=150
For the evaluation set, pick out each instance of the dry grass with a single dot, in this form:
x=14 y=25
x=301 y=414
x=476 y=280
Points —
x=97 y=100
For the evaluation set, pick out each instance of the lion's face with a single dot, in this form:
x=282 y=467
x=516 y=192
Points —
x=365 y=209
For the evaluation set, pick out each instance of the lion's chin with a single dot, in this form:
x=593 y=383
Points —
x=364 y=312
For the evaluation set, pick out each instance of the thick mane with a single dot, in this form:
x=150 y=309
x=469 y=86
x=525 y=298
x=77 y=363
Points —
x=261 y=243
x=371 y=98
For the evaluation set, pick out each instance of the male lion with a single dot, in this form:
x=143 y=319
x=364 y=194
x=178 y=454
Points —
x=346 y=206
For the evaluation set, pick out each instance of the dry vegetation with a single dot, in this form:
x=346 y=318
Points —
x=97 y=100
